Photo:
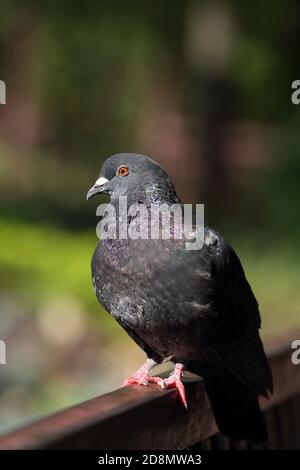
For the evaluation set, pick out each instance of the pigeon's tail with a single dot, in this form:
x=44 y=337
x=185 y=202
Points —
x=235 y=406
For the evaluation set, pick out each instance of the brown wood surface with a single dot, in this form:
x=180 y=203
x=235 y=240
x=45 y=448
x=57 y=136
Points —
x=139 y=417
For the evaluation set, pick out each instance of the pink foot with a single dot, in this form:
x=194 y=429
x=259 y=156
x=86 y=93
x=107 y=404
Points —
x=174 y=381
x=141 y=379
x=142 y=375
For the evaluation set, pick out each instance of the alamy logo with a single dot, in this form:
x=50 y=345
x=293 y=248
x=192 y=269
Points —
x=2 y=352
x=295 y=97
x=2 y=92
x=296 y=353
x=138 y=221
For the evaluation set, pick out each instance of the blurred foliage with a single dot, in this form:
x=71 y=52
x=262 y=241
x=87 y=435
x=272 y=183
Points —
x=93 y=65
x=279 y=191
x=43 y=261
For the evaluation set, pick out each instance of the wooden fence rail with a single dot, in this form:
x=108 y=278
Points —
x=149 y=418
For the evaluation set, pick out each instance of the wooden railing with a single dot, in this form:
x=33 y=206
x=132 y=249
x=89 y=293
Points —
x=149 y=418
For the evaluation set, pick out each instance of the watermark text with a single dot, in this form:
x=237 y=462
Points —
x=2 y=92
x=296 y=353
x=157 y=222
x=2 y=352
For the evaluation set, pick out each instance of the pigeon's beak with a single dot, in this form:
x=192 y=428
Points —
x=99 y=187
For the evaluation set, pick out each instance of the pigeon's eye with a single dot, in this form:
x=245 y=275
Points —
x=123 y=170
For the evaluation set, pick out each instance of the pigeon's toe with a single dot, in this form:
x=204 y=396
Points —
x=142 y=375
x=174 y=381
x=141 y=379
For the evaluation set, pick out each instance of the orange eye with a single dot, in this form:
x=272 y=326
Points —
x=123 y=170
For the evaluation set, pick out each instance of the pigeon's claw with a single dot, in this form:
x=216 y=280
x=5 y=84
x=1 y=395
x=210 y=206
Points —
x=142 y=375
x=174 y=381
x=140 y=379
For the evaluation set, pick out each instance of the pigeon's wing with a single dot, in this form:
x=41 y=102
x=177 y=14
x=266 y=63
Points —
x=234 y=300
x=233 y=331
x=236 y=371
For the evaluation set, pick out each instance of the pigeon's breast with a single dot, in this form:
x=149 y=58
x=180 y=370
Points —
x=128 y=272
x=142 y=284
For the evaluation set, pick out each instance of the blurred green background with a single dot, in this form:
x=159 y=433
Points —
x=204 y=87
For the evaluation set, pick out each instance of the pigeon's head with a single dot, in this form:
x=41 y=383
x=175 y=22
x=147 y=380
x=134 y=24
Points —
x=137 y=177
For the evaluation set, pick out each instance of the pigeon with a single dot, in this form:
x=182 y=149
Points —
x=194 y=308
